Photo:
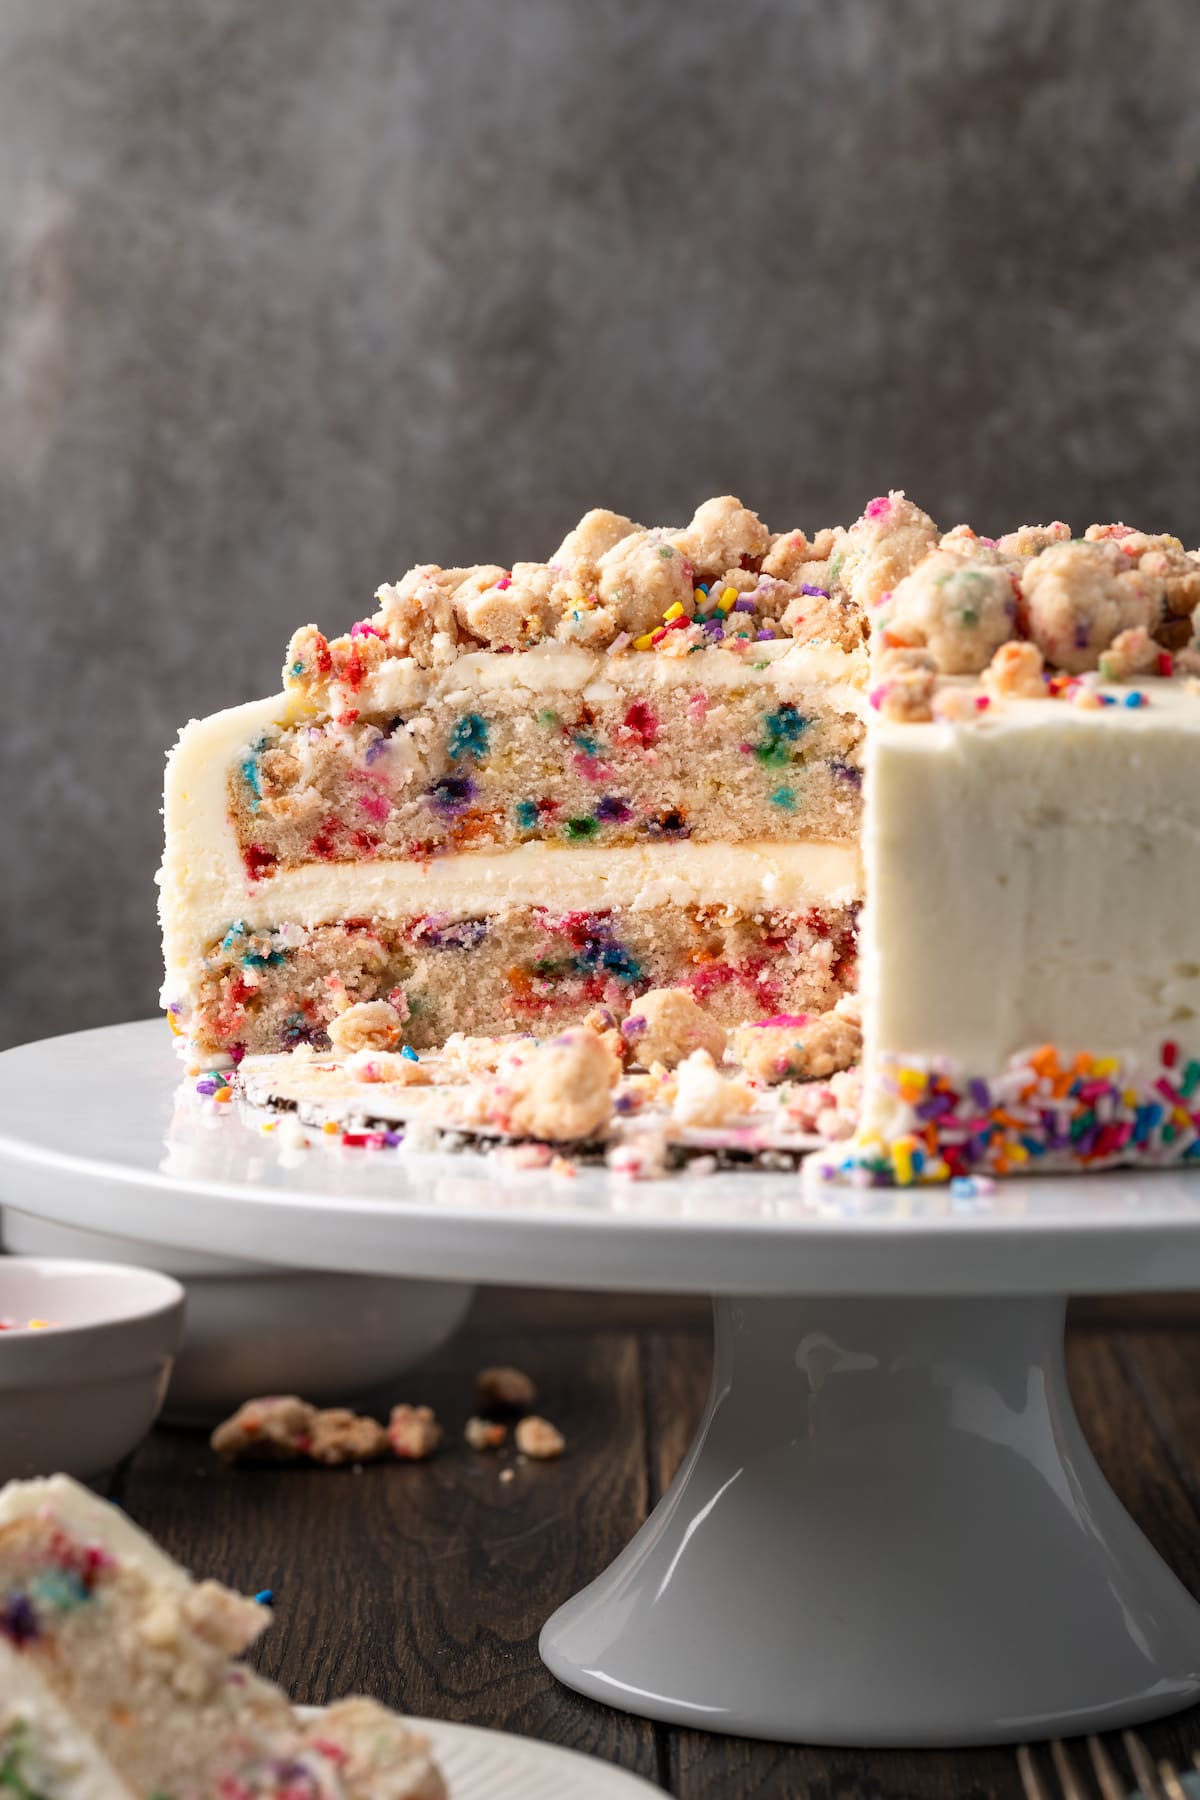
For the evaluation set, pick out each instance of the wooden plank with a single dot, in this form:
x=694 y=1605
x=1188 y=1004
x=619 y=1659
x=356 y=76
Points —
x=1135 y=1311
x=425 y=1585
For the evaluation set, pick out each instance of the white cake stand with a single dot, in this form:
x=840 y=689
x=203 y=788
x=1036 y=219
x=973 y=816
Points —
x=889 y=1529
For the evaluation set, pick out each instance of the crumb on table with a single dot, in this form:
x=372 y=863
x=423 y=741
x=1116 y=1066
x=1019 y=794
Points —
x=538 y=1439
x=413 y=1432
x=272 y=1428
x=484 y=1434
x=341 y=1436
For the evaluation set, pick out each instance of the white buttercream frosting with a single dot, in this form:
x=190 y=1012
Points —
x=1032 y=877
x=402 y=685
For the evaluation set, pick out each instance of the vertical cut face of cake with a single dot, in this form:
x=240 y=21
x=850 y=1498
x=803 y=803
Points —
x=513 y=794
x=118 y=1678
x=1030 y=975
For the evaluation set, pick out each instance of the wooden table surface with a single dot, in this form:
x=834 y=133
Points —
x=426 y=1585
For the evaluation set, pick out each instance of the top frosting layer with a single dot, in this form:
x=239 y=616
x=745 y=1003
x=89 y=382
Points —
x=723 y=581
x=930 y=603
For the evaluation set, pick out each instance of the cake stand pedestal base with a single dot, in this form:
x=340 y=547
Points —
x=889 y=1531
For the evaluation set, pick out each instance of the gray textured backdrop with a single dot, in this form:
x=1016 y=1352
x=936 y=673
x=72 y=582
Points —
x=294 y=293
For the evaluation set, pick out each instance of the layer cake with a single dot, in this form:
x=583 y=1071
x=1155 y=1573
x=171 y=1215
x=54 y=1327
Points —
x=679 y=759
x=510 y=795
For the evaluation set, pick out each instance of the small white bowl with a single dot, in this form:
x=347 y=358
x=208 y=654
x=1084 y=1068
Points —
x=82 y=1393
x=257 y=1330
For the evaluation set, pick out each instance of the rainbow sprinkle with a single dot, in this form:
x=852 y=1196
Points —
x=214 y=1085
x=1084 y=1111
x=469 y=737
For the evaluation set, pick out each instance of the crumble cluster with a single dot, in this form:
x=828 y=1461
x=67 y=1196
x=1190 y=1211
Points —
x=613 y=585
x=635 y=1092
x=275 y=1428
x=1035 y=613
x=668 y=1051
x=726 y=580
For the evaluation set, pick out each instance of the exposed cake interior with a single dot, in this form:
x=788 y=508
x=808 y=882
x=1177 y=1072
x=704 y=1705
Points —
x=512 y=795
x=559 y=747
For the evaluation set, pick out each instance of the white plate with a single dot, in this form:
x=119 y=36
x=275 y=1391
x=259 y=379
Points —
x=493 y=1765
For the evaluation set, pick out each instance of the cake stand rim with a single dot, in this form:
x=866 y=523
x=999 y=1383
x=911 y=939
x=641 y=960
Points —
x=646 y=1249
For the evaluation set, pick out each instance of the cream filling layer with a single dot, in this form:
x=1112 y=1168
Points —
x=204 y=886
x=836 y=677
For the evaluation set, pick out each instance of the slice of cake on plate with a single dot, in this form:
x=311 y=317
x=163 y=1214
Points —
x=117 y=1678
x=512 y=794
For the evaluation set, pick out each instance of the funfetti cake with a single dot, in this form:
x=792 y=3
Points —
x=511 y=794
x=117 y=1680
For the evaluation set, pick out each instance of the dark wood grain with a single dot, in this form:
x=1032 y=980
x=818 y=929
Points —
x=426 y=1585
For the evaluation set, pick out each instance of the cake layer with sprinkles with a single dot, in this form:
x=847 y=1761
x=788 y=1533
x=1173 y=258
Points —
x=511 y=794
x=118 y=1678
x=682 y=758
x=557 y=747
x=523 y=967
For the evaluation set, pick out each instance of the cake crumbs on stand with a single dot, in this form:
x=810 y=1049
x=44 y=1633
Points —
x=586 y=1094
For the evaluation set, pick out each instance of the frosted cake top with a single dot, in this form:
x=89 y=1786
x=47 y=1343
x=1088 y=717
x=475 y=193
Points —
x=1019 y=609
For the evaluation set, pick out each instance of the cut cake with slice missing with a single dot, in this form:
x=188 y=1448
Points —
x=511 y=796
x=117 y=1678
